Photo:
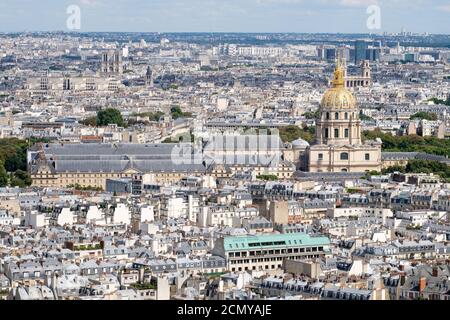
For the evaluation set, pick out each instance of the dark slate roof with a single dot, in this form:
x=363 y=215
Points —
x=116 y=158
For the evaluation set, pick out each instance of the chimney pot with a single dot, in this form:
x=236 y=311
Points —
x=422 y=284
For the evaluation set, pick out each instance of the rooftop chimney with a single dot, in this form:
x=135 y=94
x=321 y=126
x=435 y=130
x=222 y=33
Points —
x=435 y=271
x=422 y=284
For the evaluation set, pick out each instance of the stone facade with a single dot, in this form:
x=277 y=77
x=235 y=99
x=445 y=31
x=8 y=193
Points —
x=338 y=146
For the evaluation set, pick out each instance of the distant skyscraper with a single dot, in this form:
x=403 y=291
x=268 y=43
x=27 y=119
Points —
x=331 y=54
x=125 y=52
x=373 y=54
x=360 y=51
x=321 y=53
x=344 y=53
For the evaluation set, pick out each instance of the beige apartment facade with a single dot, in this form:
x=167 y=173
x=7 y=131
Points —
x=91 y=165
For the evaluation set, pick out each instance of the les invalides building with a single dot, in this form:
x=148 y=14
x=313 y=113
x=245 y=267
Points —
x=338 y=146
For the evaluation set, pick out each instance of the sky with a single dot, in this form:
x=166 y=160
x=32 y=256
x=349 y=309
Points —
x=302 y=16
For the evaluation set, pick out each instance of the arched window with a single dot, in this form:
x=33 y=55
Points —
x=336 y=116
x=328 y=116
x=344 y=170
x=344 y=156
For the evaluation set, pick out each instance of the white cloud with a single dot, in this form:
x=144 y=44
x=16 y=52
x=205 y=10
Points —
x=279 y=1
x=357 y=3
x=90 y=2
x=445 y=8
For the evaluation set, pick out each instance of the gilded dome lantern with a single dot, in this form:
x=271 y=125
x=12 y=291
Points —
x=338 y=97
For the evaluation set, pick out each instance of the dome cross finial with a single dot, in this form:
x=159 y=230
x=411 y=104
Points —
x=338 y=80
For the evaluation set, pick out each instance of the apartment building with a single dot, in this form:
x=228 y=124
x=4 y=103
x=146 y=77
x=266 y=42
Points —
x=267 y=252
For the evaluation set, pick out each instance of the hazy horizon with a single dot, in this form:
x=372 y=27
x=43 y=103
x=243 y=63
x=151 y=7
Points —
x=231 y=16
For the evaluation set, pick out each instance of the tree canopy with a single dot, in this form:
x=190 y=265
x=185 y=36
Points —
x=424 y=116
x=178 y=113
x=440 y=101
x=312 y=115
x=363 y=117
x=267 y=177
x=13 y=160
x=292 y=132
x=411 y=143
x=3 y=175
x=91 y=122
x=423 y=166
x=110 y=116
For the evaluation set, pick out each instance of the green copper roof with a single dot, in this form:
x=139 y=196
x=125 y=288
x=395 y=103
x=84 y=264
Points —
x=273 y=241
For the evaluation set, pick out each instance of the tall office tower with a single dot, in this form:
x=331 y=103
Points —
x=125 y=51
x=232 y=50
x=112 y=63
x=321 y=53
x=330 y=54
x=373 y=54
x=344 y=53
x=338 y=146
x=360 y=51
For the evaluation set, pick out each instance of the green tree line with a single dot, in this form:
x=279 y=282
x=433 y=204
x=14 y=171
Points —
x=292 y=133
x=422 y=166
x=13 y=162
x=113 y=116
x=425 y=116
x=412 y=143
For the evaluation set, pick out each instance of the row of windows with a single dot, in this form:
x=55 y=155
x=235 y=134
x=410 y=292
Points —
x=256 y=260
x=271 y=252
x=336 y=133
x=336 y=115
x=271 y=266
x=267 y=267
x=345 y=156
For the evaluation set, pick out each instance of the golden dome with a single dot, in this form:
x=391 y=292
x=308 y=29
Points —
x=338 y=97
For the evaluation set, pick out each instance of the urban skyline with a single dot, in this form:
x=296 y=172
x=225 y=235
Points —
x=223 y=167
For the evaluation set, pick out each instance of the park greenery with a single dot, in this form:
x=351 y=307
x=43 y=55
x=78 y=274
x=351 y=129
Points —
x=424 y=116
x=88 y=247
x=440 y=101
x=13 y=162
x=422 y=166
x=105 y=117
x=292 y=133
x=363 y=117
x=78 y=187
x=110 y=116
x=144 y=286
x=267 y=177
x=312 y=115
x=411 y=143
x=113 y=116
x=177 y=113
